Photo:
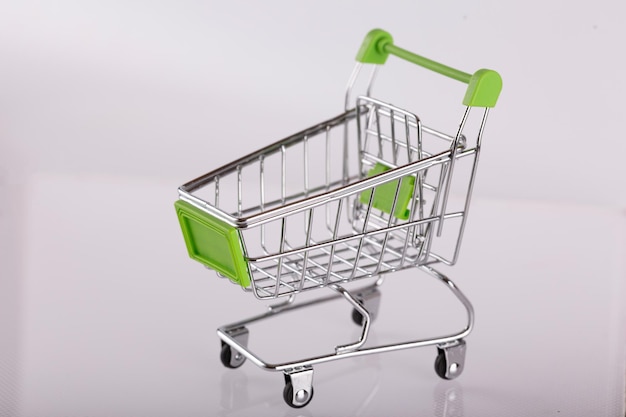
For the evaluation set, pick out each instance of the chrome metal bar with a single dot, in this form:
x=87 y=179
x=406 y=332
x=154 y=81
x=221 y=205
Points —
x=283 y=174
x=305 y=144
x=332 y=248
x=336 y=194
x=307 y=243
x=294 y=267
x=337 y=260
x=363 y=255
x=381 y=221
x=440 y=258
x=370 y=83
x=351 y=347
x=346 y=157
x=368 y=127
x=378 y=136
x=262 y=202
x=262 y=181
x=454 y=150
x=222 y=332
x=434 y=210
x=239 y=195
x=394 y=145
x=283 y=235
x=351 y=80
x=371 y=160
x=389 y=223
x=438 y=134
x=353 y=77
x=348 y=262
x=349 y=238
x=281 y=306
x=421 y=175
x=407 y=138
x=325 y=254
x=327 y=138
x=359 y=137
x=273 y=278
x=217 y=191
x=411 y=231
x=363 y=101
x=470 y=187
x=379 y=247
x=253 y=210
x=328 y=176
x=270 y=149
x=412 y=149
x=363 y=230
x=337 y=273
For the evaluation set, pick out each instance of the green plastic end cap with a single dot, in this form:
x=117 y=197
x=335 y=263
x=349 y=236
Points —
x=484 y=89
x=213 y=243
x=372 y=49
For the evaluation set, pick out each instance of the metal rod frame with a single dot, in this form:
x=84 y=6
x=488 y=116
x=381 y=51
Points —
x=354 y=349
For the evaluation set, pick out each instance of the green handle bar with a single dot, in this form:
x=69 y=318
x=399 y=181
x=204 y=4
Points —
x=484 y=85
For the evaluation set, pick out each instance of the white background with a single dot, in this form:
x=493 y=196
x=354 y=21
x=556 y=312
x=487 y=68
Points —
x=106 y=107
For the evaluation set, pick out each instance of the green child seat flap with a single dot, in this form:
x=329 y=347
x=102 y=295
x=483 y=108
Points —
x=213 y=243
x=384 y=194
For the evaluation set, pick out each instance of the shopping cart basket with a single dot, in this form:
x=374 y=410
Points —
x=355 y=197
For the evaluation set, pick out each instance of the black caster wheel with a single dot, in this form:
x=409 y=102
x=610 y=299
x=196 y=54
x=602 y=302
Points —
x=440 y=365
x=369 y=299
x=444 y=369
x=302 y=397
x=231 y=358
x=357 y=317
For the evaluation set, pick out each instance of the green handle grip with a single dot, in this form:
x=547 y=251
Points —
x=484 y=85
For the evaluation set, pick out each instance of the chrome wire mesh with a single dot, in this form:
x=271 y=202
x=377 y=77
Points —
x=308 y=207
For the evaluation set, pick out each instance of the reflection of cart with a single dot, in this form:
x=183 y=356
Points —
x=358 y=196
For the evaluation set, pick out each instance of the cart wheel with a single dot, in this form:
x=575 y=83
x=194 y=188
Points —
x=357 y=317
x=370 y=300
x=301 y=399
x=440 y=365
x=445 y=370
x=229 y=359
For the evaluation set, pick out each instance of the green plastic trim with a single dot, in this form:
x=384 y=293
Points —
x=484 y=85
x=213 y=243
x=385 y=194
x=484 y=89
x=372 y=49
x=428 y=63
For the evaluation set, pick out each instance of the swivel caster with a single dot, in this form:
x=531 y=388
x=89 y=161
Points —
x=450 y=359
x=231 y=358
x=298 y=391
x=370 y=299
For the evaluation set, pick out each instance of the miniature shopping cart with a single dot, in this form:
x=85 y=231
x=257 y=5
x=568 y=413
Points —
x=369 y=192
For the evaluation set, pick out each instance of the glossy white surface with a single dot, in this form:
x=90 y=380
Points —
x=117 y=321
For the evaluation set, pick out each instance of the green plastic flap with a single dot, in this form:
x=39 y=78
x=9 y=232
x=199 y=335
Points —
x=484 y=85
x=385 y=194
x=213 y=243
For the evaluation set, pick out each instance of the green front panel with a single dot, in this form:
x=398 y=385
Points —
x=213 y=242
